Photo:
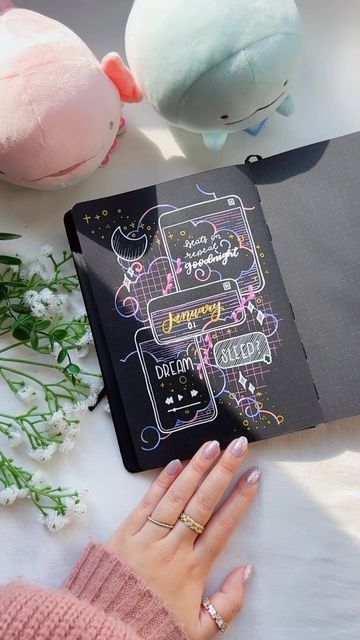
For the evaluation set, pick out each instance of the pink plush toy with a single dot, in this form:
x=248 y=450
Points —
x=60 y=108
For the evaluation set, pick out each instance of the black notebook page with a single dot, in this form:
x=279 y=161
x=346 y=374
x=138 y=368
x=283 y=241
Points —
x=310 y=198
x=191 y=302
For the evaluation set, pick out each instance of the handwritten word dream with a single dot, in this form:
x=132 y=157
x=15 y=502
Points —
x=174 y=367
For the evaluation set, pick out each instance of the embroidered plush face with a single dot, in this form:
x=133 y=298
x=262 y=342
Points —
x=60 y=108
x=242 y=90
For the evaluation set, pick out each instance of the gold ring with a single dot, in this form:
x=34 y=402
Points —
x=214 y=614
x=191 y=523
x=160 y=524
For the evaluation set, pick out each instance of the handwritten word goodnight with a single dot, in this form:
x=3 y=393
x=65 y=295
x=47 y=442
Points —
x=213 y=309
x=223 y=258
x=174 y=367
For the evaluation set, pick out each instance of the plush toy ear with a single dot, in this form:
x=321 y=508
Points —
x=122 y=77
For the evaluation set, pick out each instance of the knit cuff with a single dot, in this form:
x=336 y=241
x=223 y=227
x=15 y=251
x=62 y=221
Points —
x=101 y=579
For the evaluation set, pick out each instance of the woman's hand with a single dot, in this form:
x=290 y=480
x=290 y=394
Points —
x=175 y=563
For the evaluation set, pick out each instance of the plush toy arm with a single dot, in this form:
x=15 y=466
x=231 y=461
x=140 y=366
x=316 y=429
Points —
x=122 y=77
x=287 y=107
x=213 y=140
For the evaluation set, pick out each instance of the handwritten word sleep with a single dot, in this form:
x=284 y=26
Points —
x=213 y=310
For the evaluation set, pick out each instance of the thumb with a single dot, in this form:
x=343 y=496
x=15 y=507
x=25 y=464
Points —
x=227 y=602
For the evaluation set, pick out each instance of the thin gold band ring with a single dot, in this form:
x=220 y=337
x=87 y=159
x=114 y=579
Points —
x=160 y=524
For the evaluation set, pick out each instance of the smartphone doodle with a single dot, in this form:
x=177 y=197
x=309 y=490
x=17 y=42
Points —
x=211 y=241
x=195 y=311
x=177 y=382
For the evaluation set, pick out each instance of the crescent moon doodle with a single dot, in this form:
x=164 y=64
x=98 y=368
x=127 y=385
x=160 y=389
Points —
x=126 y=248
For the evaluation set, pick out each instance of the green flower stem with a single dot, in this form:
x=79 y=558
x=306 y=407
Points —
x=22 y=479
x=73 y=396
x=43 y=364
x=22 y=374
x=28 y=426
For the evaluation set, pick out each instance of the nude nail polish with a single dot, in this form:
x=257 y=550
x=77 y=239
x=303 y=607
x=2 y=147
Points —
x=253 y=475
x=247 y=572
x=211 y=450
x=173 y=467
x=239 y=447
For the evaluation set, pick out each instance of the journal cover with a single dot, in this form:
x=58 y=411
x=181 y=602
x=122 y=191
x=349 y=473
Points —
x=193 y=326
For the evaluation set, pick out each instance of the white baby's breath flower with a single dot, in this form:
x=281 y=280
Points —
x=9 y=494
x=91 y=400
x=85 y=339
x=66 y=445
x=39 y=311
x=54 y=521
x=23 y=493
x=15 y=437
x=47 y=250
x=82 y=353
x=38 y=479
x=30 y=296
x=45 y=304
x=27 y=393
x=63 y=298
x=34 y=268
x=57 y=422
x=79 y=509
x=72 y=429
x=69 y=502
x=68 y=409
x=46 y=296
x=80 y=408
x=43 y=454
x=74 y=507
x=96 y=386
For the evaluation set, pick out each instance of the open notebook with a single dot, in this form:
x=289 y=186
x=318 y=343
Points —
x=227 y=302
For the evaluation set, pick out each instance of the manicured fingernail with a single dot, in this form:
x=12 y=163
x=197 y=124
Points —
x=247 y=572
x=252 y=476
x=173 y=467
x=211 y=450
x=239 y=447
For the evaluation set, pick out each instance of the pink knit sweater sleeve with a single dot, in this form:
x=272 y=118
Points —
x=102 y=599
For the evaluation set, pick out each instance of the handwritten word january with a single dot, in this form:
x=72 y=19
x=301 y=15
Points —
x=213 y=309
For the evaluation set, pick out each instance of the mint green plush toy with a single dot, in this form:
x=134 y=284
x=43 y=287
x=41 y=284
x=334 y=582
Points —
x=215 y=66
